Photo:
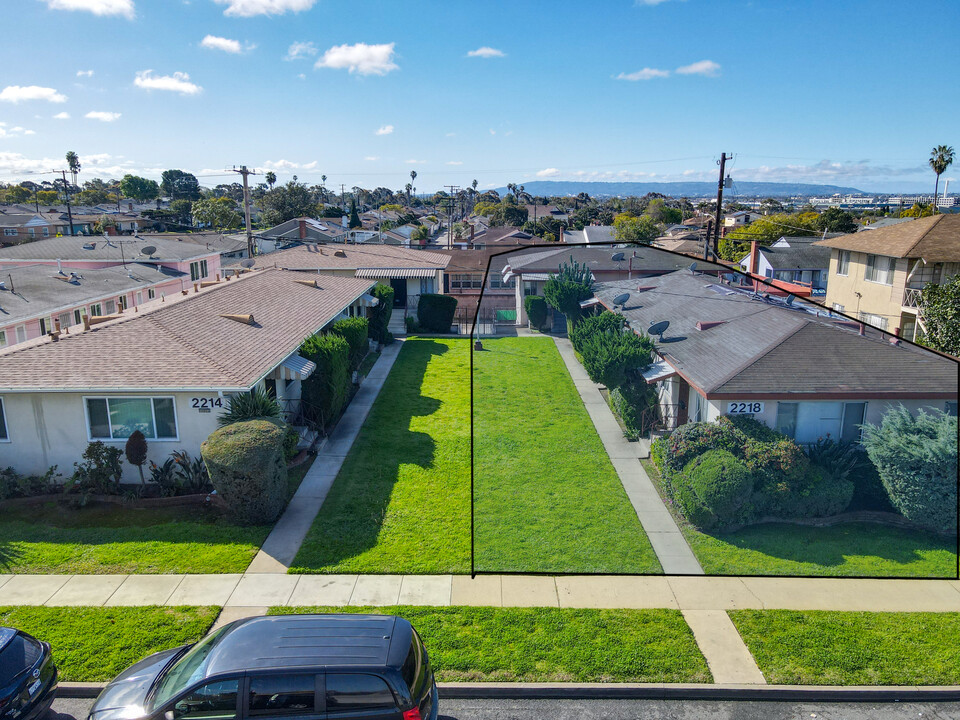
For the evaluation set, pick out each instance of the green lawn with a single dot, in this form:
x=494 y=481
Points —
x=550 y=644
x=401 y=503
x=104 y=538
x=853 y=648
x=95 y=644
x=547 y=496
x=848 y=549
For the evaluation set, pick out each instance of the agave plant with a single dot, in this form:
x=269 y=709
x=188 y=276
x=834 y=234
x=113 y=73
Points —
x=840 y=459
x=258 y=403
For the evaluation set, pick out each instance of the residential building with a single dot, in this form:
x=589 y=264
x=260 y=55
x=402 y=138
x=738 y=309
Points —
x=740 y=218
x=794 y=259
x=537 y=213
x=728 y=351
x=312 y=230
x=167 y=370
x=877 y=276
x=17 y=228
x=590 y=235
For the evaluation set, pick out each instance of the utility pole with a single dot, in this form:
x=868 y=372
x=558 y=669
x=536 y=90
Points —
x=343 y=198
x=246 y=205
x=453 y=190
x=716 y=226
x=66 y=192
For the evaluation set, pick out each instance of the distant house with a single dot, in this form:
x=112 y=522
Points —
x=877 y=275
x=536 y=213
x=167 y=371
x=740 y=218
x=312 y=230
x=728 y=351
x=794 y=259
x=16 y=228
x=464 y=279
x=591 y=234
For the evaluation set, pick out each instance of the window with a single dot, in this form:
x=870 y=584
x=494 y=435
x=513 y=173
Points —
x=139 y=298
x=198 y=270
x=843 y=262
x=466 y=281
x=346 y=693
x=786 y=422
x=22 y=334
x=878 y=321
x=214 y=701
x=853 y=413
x=111 y=307
x=529 y=288
x=426 y=286
x=77 y=317
x=838 y=307
x=293 y=694
x=10 y=232
x=4 y=436
x=116 y=418
x=64 y=320
x=122 y=302
x=880 y=269
x=496 y=281
x=46 y=232
x=151 y=293
x=3 y=338
x=44 y=326
x=32 y=232
x=95 y=309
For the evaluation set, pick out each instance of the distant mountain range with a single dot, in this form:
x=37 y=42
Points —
x=680 y=189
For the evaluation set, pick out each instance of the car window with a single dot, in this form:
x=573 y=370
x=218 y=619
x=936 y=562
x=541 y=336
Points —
x=413 y=665
x=272 y=694
x=189 y=669
x=214 y=701
x=357 y=692
x=18 y=655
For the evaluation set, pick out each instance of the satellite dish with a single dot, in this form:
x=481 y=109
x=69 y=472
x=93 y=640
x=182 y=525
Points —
x=728 y=277
x=693 y=267
x=790 y=299
x=658 y=328
x=248 y=263
x=617 y=257
x=149 y=250
x=621 y=299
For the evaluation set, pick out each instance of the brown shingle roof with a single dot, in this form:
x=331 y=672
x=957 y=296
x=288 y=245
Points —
x=351 y=257
x=187 y=345
x=935 y=239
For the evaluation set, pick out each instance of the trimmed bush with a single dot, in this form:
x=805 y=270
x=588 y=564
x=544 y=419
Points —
x=753 y=429
x=536 y=308
x=291 y=439
x=714 y=490
x=435 y=312
x=379 y=318
x=693 y=439
x=635 y=403
x=326 y=391
x=916 y=458
x=354 y=330
x=608 y=355
x=605 y=321
x=247 y=469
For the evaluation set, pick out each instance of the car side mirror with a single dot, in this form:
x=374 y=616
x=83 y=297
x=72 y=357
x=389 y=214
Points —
x=168 y=715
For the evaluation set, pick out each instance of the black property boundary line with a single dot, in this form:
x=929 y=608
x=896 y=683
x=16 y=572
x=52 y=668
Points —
x=474 y=335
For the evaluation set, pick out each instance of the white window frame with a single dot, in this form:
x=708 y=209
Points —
x=153 y=411
x=6 y=425
x=151 y=294
x=843 y=262
x=3 y=338
x=21 y=330
x=881 y=277
x=77 y=316
x=10 y=232
x=46 y=232
x=99 y=309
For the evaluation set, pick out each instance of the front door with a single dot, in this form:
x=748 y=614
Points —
x=399 y=286
x=682 y=412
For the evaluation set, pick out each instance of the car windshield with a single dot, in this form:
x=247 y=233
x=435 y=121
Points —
x=188 y=670
x=17 y=656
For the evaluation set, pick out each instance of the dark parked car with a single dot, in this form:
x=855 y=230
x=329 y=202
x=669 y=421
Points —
x=309 y=667
x=28 y=677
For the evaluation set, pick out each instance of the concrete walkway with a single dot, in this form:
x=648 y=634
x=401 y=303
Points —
x=283 y=542
x=672 y=551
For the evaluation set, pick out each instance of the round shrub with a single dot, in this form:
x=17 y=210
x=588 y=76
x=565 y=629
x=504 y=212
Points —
x=693 y=439
x=435 y=312
x=536 y=308
x=247 y=468
x=753 y=429
x=714 y=490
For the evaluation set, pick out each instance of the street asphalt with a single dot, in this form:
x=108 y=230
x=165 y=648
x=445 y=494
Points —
x=76 y=709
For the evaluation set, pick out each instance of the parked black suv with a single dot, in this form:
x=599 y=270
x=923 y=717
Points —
x=308 y=667
x=28 y=677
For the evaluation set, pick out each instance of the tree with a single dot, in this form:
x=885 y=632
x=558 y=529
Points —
x=631 y=229
x=17 y=194
x=95 y=192
x=660 y=212
x=218 y=213
x=271 y=178
x=836 y=220
x=103 y=222
x=139 y=188
x=136 y=451
x=940 y=309
x=354 y=217
x=420 y=235
x=182 y=210
x=941 y=157
x=180 y=185
x=610 y=350
x=565 y=290
x=918 y=210
x=413 y=178
x=73 y=162
x=287 y=202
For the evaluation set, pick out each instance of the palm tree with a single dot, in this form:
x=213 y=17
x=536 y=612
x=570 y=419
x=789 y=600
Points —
x=323 y=187
x=413 y=178
x=73 y=162
x=409 y=187
x=941 y=157
x=271 y=178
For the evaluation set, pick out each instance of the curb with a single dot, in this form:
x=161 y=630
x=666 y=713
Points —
x=654 y=691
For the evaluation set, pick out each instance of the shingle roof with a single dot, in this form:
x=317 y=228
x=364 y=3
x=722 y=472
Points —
x=802 y=256
x=213 y=241
x=732 y=356
x=935 y=239
x=186 y=344
x=72 y=248
x=351 y=257
x=600 y=258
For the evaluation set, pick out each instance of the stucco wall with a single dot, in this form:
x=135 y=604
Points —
x=877 y=298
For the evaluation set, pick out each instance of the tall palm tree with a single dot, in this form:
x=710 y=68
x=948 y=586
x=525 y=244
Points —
x=413 y=178
x=323 y=187
x=941 y=157
x=271 y=178
x=409 y=187
x=73 y=162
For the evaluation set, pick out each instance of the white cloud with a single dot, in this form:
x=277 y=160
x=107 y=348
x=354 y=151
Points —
x=360 y=58
x=650 y=2
x=250 y=8
x=102 y=163
x=705 y=67
x=16 y=94
x=102 y=116
x=84 y=73
x=299 y=50
x=416 y=162
x=548 y=172
x=14 y=131
x=384 y=130
x=178 y=82
x=454 y=162
x=225 y=44
x=289 y=165
x=372 y=158
x=62 y=116
x=486 y=52
x=645 y=74
x=450 y=134
x=97 y=7
x=309 y=166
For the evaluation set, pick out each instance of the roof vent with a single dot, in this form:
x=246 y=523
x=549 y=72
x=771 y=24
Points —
x=340 y=253
x=245 y=319
x=90 y=246
x=706 y=325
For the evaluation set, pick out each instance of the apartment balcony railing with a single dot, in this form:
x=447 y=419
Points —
x=911 y=297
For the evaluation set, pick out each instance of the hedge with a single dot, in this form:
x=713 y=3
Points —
x=435 y=312
x=635 y=403
x=715 y=490
x=536 y=308
x=379 y=319
x=326 y=391
x=354 y=330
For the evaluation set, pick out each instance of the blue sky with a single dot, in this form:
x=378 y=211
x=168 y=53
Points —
x=851 y=93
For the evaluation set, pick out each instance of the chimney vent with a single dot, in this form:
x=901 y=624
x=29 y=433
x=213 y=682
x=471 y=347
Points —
x=245 y=319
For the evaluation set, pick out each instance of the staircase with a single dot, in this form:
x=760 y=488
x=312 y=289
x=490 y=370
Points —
x=397 y=325
x=308 y=437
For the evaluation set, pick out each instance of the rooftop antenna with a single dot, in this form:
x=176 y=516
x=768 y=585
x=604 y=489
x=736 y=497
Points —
x=658 y=328
x=60 y=269
x=617 y=257
x=621 y=300
x=789 y=300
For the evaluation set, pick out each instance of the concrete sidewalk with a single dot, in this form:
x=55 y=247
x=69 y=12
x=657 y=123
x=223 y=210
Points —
x=672 y=551
x=283 y=542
